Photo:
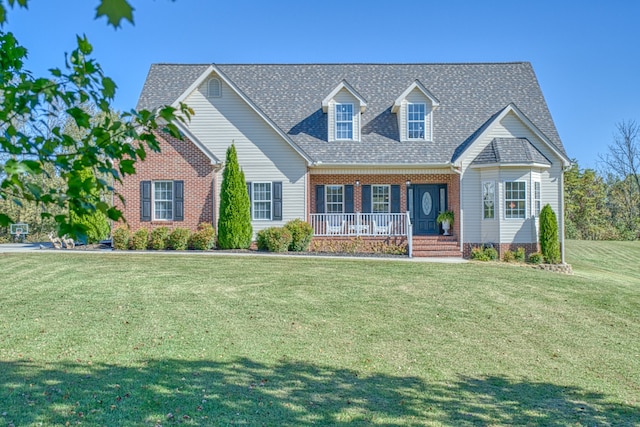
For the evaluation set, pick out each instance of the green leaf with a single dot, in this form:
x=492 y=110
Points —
x=115 y=11
x=108 y=87
x=5 y=221
x=84 y=45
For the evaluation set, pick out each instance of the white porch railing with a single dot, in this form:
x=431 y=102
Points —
x=360 y=224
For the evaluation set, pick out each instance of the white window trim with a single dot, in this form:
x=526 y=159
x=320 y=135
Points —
x=494 y=200
x=335 y=120
x=504 y=213
x=254 y=201
x=153 y=200
x=388 y=187
x=326 y=197
x=424 y=121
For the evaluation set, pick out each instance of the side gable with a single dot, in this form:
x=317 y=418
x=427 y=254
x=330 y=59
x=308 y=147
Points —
x=467 y=148
x=212 y=69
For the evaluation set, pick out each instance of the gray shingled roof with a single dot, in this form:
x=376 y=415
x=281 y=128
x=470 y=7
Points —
x=510 y=151
x=291 y=95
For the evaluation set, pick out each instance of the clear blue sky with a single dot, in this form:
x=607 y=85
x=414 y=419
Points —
x=586 y=54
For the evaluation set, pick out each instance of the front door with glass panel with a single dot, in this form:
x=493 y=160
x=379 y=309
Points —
x=428 y=201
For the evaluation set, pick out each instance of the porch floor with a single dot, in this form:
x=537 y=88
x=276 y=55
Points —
x=436 y=246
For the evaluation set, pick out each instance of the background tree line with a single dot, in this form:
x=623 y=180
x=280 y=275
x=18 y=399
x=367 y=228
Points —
x=604 y=204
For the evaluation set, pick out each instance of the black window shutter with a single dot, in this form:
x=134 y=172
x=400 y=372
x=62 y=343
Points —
x=395 y=199
x=348 y=199
x=145 y=200
x=366 y=199
x=277 y=201
x=178 y=200
x=250 y=201
x=319 y=198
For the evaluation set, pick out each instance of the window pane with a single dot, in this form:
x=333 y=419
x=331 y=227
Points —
x=261 y=200
x=515 y=199
x=334 y=199
x=163 y=200
x=488 y=200
x=415 y=121
x=380 y=199
x=344 y=121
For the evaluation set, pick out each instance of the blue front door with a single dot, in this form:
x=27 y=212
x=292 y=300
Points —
x=427 y=203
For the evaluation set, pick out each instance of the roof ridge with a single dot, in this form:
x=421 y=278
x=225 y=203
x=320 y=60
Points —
x=342 y=63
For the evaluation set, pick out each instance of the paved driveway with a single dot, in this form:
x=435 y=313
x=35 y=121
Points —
x=23 y=247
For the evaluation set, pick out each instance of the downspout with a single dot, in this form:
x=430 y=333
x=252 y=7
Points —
x=562 y=243
x=214 y=217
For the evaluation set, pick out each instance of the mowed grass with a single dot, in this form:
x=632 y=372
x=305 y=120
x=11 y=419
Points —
x=125 y=339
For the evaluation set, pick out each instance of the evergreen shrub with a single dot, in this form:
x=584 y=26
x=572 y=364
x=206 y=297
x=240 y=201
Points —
x=301 y=234
x=159 y=238
x=549 y=243
x=536 y=258
x=203 y=239
x=274 y=239
x=140 y=240
x=120 y=238
x=179 y=239
x=234 y=223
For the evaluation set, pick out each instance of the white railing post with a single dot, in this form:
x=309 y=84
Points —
x=409 y=235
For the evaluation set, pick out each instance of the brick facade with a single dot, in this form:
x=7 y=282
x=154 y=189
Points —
x=451 y=180
x=177 y=160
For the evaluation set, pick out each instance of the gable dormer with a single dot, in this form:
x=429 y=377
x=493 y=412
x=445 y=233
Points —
x=343 y=107
x=414 y=109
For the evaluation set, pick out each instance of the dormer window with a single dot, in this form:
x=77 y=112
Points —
x=344 y=106
x=415 y=120
x=344 y=121
x=414 y=109
x=214 y=88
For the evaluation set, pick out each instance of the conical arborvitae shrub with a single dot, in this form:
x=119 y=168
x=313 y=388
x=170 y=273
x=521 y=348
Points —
x=549 y=243
x=234 y=223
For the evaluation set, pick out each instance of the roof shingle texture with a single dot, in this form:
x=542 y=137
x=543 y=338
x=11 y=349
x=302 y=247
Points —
x=291 y=95
x=510 y=151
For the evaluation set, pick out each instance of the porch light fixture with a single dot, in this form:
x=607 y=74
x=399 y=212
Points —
x=408 y=183
x=357 y=183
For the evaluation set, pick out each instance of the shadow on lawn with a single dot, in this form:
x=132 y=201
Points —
x=169 y=392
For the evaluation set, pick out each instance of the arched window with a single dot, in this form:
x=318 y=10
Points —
x=214 y=89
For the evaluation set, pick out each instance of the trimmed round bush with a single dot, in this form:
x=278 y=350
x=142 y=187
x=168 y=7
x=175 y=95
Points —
x=301 y=234
x=140 y=240
x=536 y=258
x=274 y=239
x=520 y=254
x=491 y=253
x=508 y=256
x=159 y=238
x=179 y=239
x=120 y=238
x=203 y=239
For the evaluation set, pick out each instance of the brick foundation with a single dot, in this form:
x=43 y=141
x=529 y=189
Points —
x=529 y=248
x=177 y=160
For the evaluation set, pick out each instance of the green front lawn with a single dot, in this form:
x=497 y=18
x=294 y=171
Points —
x=126 y=339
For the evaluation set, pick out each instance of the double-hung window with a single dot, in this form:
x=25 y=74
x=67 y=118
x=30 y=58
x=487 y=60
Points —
x=537 y=200
x=380 y=199
x=416 y=120
x=163 y=200
x=488 y=200
x=261 y=199
x=334 y=199
x=344 y=121
x=515 y=199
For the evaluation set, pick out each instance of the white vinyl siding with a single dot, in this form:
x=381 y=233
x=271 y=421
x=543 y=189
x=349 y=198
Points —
x=334 y=199
x=380 y=199
x=263 y=154
x=162 y=200
x=261 y=200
